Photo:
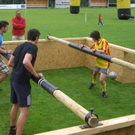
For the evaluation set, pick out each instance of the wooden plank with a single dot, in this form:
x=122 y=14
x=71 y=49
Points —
x=109 y=127
x=37 y=3
x=99 y=3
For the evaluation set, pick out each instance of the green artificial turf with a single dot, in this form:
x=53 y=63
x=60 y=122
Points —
x=46 y=112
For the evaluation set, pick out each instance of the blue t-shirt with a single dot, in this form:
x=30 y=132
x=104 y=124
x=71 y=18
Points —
x=7 y=56
x=1 y=39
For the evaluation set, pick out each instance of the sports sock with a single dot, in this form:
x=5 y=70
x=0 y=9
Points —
x=94 y=79
x=13 y=128
x=103 y=87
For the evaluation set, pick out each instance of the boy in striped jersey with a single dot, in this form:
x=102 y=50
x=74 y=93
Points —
x=100 y=45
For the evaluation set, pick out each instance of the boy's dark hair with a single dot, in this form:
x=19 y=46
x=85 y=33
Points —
x=3 y=24
x=95 y=34
x=32 y=34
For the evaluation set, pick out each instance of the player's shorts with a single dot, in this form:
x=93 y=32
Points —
x=21 y=94
x=14 y=38
x=3 y=67
x=103 y=70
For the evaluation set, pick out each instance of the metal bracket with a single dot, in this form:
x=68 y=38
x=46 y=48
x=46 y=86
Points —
x=88 y=126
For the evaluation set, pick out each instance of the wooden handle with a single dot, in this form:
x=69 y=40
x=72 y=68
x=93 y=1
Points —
x=123 y=63
x=58 y=40
x=89 y=118
x=75 y=107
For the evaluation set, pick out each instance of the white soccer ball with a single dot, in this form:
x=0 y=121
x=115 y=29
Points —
x=112 y=75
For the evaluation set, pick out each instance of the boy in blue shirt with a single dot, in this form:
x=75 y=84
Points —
x=4 y=70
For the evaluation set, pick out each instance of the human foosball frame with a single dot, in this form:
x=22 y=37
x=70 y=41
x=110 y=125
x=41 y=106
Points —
x=56 y=56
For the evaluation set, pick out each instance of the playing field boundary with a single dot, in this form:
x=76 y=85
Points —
x=55 y=55
x=116 y=126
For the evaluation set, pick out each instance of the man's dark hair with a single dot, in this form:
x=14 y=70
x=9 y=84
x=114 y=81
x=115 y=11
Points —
x=32 y=34
x=3 y=24
x=95 y=34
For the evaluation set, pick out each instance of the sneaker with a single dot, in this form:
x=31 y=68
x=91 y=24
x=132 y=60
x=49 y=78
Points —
x=1 y=89
x=12 y=132
x=103 y=94
x=91 y=85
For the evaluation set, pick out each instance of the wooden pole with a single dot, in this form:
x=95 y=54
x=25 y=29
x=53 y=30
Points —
x=97 y=54
x=75 y=107
x=88 y=117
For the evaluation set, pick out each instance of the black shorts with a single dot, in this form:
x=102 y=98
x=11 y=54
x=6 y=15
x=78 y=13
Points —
x=21 y=94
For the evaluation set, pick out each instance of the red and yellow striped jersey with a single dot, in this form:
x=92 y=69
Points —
x=102 y=45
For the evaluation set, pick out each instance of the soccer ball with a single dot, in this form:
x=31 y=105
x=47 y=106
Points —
x=112 y=75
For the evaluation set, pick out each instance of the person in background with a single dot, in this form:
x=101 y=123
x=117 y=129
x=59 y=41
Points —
x=101 y=46
x=22 y=61
x=100 y=20
x=3 y=67
x=18 y=26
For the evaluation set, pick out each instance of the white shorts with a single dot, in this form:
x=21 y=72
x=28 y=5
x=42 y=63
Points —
x=17 y=38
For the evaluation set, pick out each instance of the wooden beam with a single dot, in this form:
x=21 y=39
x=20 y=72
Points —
x=110 y=126
x=89 y=117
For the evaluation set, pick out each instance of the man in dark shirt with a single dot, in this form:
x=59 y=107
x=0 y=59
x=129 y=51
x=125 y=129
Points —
x=22 y=61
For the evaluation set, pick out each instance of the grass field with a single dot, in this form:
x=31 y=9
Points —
x=61 y=23
x=46 y=112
